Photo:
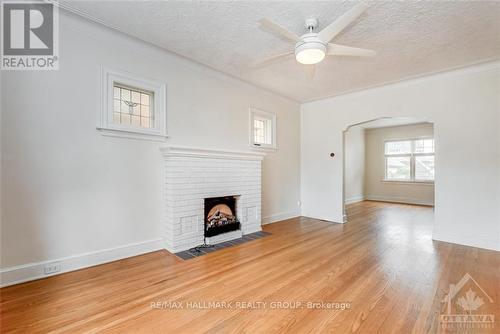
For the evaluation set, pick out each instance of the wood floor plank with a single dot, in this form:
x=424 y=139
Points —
x=383 y=262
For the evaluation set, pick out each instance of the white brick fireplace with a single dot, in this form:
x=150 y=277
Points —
x=193 y=174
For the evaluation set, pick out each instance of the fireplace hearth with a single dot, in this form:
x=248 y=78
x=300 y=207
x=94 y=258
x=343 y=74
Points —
x=220 y=215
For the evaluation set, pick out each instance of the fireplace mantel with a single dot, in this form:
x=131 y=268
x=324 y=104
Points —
x=193 y=174
x=188 y=151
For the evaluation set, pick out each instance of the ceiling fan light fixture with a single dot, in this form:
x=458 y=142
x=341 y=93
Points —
x=310 y=53
x=312 y=47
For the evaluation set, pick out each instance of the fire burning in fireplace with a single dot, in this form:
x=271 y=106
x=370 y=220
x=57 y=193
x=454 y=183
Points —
x=220 y=215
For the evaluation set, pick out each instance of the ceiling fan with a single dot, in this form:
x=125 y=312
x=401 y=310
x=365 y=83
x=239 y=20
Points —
x=312 y=47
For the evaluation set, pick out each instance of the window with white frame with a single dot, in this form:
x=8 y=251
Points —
x=132 y=106
x=410 y=160
x=262 y=129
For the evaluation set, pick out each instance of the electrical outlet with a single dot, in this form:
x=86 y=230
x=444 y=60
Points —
x=52 y=268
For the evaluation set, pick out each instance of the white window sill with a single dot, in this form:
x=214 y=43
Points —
x=132 y=134
x=425 y=183
x=264 y=148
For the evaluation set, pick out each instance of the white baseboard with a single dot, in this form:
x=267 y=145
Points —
x=279 y=216
x=481 y=242
x=329 y=219
x=33 y=271
x=354 y=199
x=404 y=200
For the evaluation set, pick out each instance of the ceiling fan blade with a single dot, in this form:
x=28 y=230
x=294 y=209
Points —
x=342 y=50
x=273 y=59
x=310 y=71
x=279 y=30
x=332 y=30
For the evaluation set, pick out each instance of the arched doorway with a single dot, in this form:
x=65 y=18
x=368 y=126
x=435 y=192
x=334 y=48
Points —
x=388 y=159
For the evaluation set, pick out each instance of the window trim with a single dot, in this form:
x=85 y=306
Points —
x=106 y=125
x=412 y=156
x=253 y=112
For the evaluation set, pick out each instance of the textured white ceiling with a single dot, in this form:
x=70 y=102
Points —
x=411 y=38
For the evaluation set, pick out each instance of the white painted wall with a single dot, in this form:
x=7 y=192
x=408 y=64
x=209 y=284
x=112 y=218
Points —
x=464 y=106
x=354 y=164
x=67 y=190
x=375 y=186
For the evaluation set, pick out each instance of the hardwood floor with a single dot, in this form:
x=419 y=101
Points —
x=383 y=262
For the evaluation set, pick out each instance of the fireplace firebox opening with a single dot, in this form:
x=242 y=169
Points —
x=220 y=215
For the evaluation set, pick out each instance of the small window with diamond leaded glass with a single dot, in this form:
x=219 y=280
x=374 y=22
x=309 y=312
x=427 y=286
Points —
x=132 y=106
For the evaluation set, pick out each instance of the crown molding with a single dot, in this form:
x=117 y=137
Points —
x=484 y=65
